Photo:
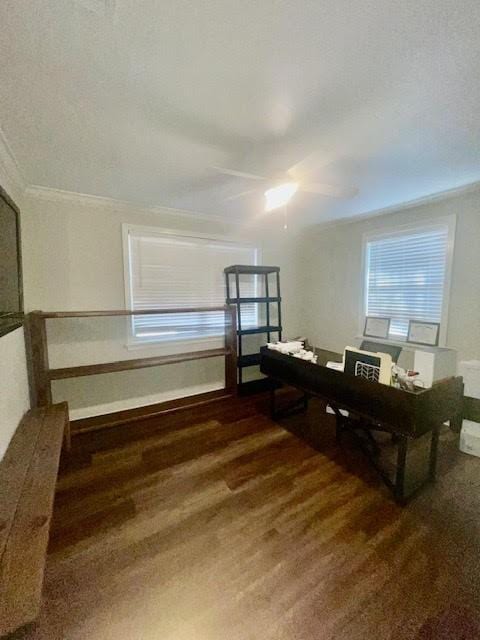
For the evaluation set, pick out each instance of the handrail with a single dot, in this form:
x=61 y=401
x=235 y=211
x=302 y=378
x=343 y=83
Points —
x=41 y=375
x=125 y=312
x=138 y=363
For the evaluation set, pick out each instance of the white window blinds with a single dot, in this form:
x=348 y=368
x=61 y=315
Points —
x=406 y=276
x=170 y=271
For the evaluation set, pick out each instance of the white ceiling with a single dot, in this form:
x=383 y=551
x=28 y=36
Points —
x=138 y=99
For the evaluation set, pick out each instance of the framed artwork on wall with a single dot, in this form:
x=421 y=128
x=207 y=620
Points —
x=11 y=295
x=376 y=327
x=425 y=333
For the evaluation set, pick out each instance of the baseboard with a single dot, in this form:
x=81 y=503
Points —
x=117 y=418
x=142 y=401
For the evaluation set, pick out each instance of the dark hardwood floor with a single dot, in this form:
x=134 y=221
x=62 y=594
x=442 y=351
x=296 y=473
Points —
x=219 y=524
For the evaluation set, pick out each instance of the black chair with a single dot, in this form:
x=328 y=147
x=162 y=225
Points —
x=380 y=347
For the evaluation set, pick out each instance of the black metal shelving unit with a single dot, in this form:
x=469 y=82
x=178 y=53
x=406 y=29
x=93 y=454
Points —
x=235 y=271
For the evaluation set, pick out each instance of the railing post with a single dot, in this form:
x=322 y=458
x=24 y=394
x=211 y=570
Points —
x=231 y=345
x=40 y=385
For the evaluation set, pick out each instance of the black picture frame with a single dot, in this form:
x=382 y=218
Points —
x=423 y=322
x=370 y=335
x=13 y=319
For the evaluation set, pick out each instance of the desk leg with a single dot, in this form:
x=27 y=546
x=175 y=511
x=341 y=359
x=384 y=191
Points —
x=306 y=398
x=434 y=453
x=456 y=423
x=339 y=426
x=401 y=464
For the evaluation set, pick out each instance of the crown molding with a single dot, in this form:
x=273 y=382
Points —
x=402 y=206
x=10 y=170
x=48 y=194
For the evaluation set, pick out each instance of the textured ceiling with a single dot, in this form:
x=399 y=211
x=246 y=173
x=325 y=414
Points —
x=138 y=100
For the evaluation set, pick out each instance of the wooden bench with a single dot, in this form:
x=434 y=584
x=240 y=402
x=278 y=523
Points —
x=28 y=474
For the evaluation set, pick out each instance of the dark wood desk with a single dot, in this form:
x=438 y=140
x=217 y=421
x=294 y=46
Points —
x=372 y=406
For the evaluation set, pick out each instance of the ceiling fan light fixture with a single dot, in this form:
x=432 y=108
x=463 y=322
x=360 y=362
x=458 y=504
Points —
x=280 y=195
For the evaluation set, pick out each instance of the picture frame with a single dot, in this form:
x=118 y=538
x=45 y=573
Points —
x=11 y=280
x=376 y=327
x=424 y=333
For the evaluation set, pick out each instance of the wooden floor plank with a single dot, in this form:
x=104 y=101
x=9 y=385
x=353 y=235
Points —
x=224 y=524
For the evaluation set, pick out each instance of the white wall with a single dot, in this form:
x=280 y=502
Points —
x=331 y=264
x=73 y=261
x=14 y=397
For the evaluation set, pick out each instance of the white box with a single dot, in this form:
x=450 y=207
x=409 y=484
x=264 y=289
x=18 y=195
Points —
x=470 y=370
x=434 y=363
x=470 y=438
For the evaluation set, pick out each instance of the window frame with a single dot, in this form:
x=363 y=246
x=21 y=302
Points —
x=448 y=221
x=175 y=344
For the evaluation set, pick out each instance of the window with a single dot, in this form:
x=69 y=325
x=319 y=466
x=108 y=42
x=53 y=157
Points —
x=167 y=270
x=407 y=275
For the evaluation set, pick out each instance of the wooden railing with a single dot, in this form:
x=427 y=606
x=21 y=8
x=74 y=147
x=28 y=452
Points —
x=42 y=375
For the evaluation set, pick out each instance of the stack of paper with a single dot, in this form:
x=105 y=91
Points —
x=286 y=347
x=338 y=366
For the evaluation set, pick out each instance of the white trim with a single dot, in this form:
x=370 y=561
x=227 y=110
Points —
x=112 y=204
x=164 y=231
x=127 y=228
x=408 y=347
x=452 y=228
x=11 y=169
x=143 y=401
x=450 y=222
x=83 y=199
x=438 y=196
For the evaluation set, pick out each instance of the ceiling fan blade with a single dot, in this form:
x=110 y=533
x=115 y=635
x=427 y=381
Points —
x=240 y=195
x=331 y=190
x=238 y=174
x=314 y=161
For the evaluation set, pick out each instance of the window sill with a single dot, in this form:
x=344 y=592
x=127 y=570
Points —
x=406 y=346
x=397 y=343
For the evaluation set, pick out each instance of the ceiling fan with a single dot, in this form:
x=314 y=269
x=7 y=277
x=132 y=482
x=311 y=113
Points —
x=284 y=187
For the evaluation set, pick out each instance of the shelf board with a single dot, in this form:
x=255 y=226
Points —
x=249 y=268
x=257 y=386
x=254 y=300
x=264 y=329
x=249 y=360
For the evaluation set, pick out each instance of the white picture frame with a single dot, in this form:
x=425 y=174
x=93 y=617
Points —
x=424 y=333
x=376 y=327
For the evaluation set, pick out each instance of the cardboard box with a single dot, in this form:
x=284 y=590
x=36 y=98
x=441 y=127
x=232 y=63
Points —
x=470 y=438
